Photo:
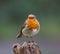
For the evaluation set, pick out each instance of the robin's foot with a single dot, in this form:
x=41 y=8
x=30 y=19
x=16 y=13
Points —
x=29 y=41
x=33 y=41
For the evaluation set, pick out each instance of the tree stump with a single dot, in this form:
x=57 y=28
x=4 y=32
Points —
x=26 y=48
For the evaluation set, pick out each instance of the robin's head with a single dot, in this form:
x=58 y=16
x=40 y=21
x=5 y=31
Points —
x=32 y=22
x=31 y=16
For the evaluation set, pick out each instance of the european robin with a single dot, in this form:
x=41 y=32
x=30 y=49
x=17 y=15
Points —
x=30 y=27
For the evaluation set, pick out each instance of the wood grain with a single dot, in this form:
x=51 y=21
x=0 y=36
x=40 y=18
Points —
x=26 y=48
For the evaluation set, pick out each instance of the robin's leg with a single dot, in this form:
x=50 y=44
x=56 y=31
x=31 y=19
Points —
x=31 y=38
x=28 y=39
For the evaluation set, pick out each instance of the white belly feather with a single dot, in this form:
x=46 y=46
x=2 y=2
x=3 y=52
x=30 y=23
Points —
x=27 y=32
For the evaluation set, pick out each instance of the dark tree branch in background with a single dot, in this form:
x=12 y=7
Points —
x=26 y=48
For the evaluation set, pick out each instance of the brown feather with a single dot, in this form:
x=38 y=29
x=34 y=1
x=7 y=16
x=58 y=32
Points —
x=20 y=34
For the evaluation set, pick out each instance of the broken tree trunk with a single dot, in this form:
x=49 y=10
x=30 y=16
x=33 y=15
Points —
x=26 y=48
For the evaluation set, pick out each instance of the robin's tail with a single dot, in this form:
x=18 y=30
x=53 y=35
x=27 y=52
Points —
x=19 y=35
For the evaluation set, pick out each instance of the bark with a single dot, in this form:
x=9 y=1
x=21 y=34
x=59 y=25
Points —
x=26 y=48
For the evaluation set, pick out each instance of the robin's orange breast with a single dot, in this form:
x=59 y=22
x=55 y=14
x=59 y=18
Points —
x=32 y=24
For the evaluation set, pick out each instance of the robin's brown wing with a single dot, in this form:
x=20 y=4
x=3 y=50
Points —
x=20 y=34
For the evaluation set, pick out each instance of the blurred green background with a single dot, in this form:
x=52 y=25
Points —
x=13 y=13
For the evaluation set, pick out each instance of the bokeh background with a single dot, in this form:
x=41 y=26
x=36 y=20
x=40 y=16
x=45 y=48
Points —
x=13 y=13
